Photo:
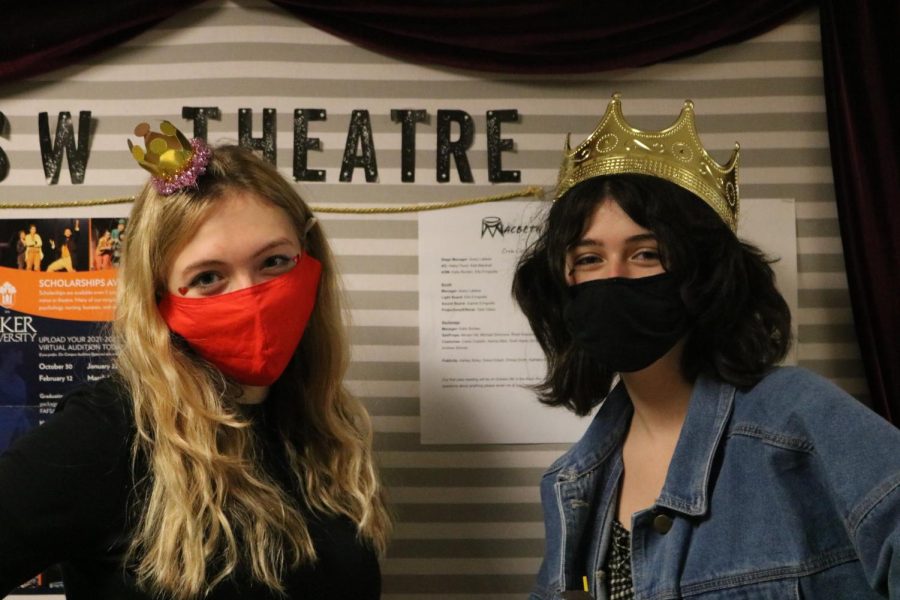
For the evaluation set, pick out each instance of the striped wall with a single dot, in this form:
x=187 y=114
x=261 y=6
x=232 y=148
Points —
x=469 y=523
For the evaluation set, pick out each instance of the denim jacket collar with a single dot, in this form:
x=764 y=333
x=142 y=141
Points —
x=687 y=482
x=686 y=489
x=573 y=483
x=602 y=437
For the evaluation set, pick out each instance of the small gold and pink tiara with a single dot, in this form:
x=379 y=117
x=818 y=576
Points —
x=173 y=162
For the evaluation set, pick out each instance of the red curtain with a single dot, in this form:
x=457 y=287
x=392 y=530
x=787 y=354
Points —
x=574 y=36
x=37 y=38
x=862 y=91
x=542 y=36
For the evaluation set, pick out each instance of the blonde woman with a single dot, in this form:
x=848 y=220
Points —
x=224 y=459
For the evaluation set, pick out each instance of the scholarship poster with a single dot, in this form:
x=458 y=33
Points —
x=57 y=295
x=477 y=352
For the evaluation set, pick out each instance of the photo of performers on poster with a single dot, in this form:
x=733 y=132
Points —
x=57 y=294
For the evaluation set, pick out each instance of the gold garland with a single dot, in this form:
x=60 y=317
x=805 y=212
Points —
x=529 y=192
x=97 y=202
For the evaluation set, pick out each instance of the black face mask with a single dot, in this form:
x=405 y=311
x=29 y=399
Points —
x=627 y=324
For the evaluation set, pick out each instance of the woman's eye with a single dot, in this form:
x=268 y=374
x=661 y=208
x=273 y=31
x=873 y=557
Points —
x=207 y=279
x=647 y=255
x=278 y=261
x=586 y=261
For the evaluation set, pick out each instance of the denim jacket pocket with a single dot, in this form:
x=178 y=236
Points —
x=781 y=589
x=845 y=580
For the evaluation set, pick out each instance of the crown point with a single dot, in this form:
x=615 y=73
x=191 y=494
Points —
x=142 y=129
x=167 y=128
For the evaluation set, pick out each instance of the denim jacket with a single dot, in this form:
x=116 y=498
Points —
x=788 y=490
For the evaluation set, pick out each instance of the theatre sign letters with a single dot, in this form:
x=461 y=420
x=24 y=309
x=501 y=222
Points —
x=455 y=136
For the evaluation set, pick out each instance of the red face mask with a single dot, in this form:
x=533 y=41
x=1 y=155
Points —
x=251 y=334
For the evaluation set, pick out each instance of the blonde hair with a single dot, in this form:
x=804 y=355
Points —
x=207 y=505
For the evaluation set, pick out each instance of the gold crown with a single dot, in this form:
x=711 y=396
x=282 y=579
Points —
x=674 y=154
x=167 y=152
x=173 y=161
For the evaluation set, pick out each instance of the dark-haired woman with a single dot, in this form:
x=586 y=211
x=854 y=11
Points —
x=708 y=472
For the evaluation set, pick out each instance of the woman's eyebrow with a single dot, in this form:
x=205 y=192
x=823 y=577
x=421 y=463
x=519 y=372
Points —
x=271 y=245
x=202 y=264
x=586 y=241
x=642 y=237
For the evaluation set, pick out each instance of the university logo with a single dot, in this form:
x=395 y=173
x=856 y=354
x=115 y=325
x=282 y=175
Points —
x=7 y=294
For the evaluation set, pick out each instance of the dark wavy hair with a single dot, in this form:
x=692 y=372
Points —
x=740 y=323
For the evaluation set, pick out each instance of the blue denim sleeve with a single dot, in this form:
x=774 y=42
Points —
x=859 y=456
x=875 y=526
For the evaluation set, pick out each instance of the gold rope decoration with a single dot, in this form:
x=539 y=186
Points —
x=529 y=192
x=97 y=202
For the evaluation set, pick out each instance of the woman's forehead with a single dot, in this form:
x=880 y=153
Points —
x=236 y=224
x=609 y=220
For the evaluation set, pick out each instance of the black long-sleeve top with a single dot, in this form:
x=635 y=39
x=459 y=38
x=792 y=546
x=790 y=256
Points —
x=67 y=490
